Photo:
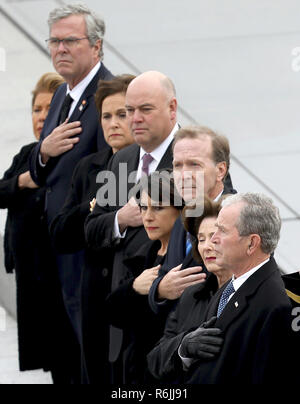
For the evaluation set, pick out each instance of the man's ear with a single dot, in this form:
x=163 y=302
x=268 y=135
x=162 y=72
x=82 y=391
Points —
x=221 y=170
x=253 y=244
x=97 y=47
x=173 y=108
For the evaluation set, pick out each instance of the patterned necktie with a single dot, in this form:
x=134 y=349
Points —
x=225 y=296
x=64 y=112
x=147 y=160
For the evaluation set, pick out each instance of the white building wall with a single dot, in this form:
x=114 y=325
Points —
x=235 y=66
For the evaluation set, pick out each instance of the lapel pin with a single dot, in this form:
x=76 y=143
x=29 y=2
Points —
x=236 y=304
x=82 y=105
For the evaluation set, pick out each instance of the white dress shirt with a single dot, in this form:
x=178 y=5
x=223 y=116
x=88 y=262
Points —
x=219 y=196
x=237 y=282
x=157 y=155
x=76 y=94
x=79 y=89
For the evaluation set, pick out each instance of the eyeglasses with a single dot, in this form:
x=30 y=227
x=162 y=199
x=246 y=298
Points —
x=69 y=43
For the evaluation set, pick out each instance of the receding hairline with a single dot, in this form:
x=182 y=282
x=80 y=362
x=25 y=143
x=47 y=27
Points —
x=201 y=137
x=151 y=78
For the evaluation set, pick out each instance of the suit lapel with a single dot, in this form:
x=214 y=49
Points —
x=167 y=159
x=188 y=260
x=240 y=300
x=89 y=92
x=132 y=165
x=214 y=303
x=227 y=190
x=85 y=98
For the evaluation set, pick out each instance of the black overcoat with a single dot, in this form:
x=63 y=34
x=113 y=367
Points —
x=99 y=230
x=67 y=232
x=28 y=253
x=163 y=361
x=130 y=311
x=259 y=341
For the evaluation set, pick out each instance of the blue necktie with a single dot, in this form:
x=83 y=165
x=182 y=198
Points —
x=225 y=296
x=188 y=244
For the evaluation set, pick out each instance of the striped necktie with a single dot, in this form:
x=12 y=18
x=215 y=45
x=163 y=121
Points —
x=147 y=160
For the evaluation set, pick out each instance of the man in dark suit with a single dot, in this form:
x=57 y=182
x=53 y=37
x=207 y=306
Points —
x=196 y=150
x=252 y=310
x=72 y=129
x=152 y=112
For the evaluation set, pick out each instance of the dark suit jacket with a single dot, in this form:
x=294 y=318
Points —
x=57 y=174
x=176 y=255
x=100 y=224
x=67 y=228
x=163 y=361
x=258 y=337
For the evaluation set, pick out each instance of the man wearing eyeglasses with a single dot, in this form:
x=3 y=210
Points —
x=72 y=129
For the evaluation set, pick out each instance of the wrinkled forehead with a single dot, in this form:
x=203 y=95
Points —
x=193 y=148
x=229 y=215
x=70 y=26
x=208 y=225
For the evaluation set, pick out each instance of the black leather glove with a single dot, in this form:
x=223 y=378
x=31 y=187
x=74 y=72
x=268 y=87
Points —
x=203 y=343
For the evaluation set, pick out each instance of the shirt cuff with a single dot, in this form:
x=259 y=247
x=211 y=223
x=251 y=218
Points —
x=186 y=362
x=116 y=231
x=40 y=161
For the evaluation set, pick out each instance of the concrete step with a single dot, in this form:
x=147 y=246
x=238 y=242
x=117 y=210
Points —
x=9 y=367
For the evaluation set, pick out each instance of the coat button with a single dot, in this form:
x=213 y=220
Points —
x=105 y=272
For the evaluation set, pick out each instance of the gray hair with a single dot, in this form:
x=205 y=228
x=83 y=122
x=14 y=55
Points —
x=95 y=25
x=258 y=216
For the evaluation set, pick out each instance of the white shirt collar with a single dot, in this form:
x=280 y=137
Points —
x=78 y=90
x=219 y=196
x=238 y=282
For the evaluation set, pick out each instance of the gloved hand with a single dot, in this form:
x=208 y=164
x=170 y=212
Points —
x=203 y=343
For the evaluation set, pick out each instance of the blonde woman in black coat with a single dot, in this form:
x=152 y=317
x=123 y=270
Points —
x=28 y=254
